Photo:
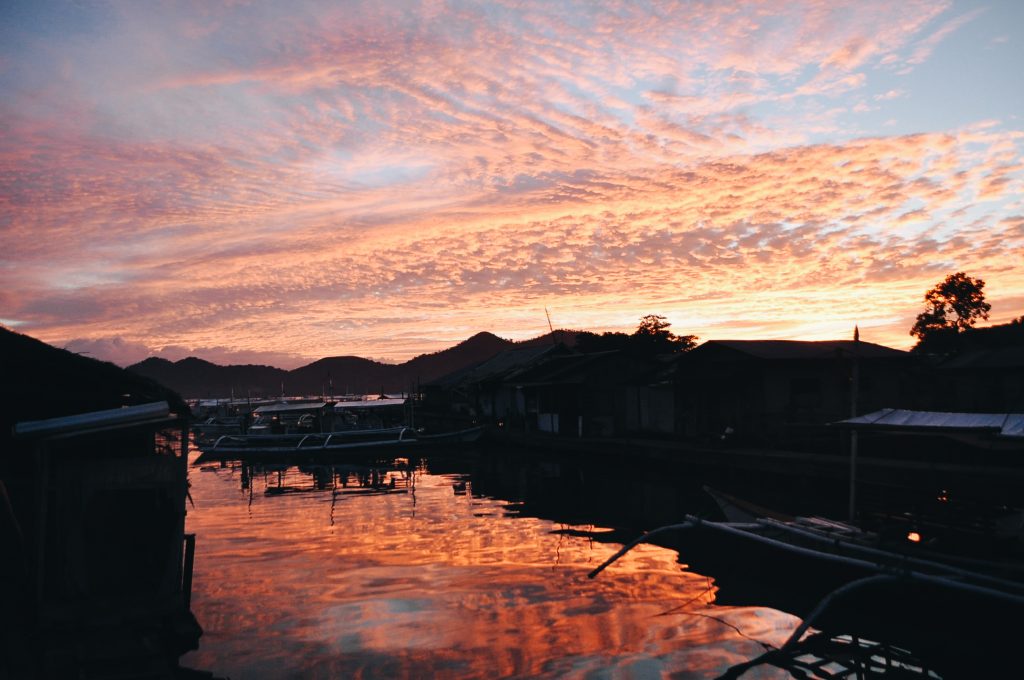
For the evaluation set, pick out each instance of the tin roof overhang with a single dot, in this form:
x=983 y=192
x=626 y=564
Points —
x=156 y=413
x=1008 y=425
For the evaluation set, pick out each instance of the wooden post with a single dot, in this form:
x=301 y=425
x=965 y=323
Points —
x=854 y=379
x=187 y=567
x=42 y=500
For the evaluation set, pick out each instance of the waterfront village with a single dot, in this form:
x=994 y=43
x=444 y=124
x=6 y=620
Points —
x=847 y=428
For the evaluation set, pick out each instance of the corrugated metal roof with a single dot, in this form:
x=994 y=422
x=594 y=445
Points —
x=115 y=417
x=572 y=368
x=497 y=366
x=510 y=360
x=1000 y=424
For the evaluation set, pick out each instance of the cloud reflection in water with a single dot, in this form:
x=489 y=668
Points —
x=432 y=583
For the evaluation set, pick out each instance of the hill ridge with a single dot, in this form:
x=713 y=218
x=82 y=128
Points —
x=194 y=377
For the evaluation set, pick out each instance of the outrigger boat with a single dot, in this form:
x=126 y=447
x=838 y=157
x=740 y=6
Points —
x=329 y=443
x=956 y=614
x=991 y=539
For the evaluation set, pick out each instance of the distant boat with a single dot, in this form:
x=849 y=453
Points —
x=329 y=443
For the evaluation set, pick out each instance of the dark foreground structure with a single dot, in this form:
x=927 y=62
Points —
x=95 y=567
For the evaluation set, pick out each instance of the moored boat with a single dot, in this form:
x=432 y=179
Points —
x=331 y=443
x=214 y=427
x=845 y=581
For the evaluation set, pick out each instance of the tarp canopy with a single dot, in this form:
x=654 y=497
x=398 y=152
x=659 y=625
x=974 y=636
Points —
x=295 y=407
x=369 y=403
x=1009 y=425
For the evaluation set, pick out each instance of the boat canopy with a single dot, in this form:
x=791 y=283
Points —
x=1009 y=425
x=292 y=407
x=370 y=403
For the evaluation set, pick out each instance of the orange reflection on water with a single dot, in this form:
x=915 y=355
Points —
x=417 y=580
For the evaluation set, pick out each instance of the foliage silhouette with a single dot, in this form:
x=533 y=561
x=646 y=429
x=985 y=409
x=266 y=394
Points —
x=953 y=306
x=652 y=336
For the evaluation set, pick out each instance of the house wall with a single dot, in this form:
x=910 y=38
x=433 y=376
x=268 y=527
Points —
x=592 y=403
x=649 y=409
x=548 y=422
x=985 y=390
x=721 y=398
x=504 y=404
x=782 y=403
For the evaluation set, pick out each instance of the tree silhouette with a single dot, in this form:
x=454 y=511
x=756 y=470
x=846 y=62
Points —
x=653 y=325
x=588 y=342
x=653 y=333
x=651 y=337
x=952 y=306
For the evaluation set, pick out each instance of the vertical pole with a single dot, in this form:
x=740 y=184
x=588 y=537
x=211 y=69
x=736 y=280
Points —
x=42 y=470
x=854 y=379
x=853 y=474
x=186 y=571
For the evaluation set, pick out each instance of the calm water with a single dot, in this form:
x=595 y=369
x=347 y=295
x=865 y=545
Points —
x=414 y=571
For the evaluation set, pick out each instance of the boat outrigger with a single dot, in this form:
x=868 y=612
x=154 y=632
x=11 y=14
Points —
x=951 y=610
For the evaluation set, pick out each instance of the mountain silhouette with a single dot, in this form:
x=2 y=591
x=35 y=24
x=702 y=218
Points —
x=197 y=378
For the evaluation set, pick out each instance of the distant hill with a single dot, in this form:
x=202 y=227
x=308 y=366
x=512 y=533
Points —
x=480 y=347
x=194 y=377
x=41 y=381
x=340 y=375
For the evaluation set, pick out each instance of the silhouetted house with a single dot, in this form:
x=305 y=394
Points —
x=446 y=397
x=651 y=402
x=95 y=566
x=781 y=393
x=982 y=380
x=481 y=393
x=977 y=370
x=579 y=395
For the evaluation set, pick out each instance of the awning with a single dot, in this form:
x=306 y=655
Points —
x=156 y=413
x=1001 y=425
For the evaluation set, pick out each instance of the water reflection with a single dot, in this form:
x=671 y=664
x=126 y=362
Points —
x=409 y=569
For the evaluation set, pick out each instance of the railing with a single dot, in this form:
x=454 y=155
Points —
x=316 y=440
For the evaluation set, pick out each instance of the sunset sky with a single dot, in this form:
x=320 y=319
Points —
x=275 y=182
